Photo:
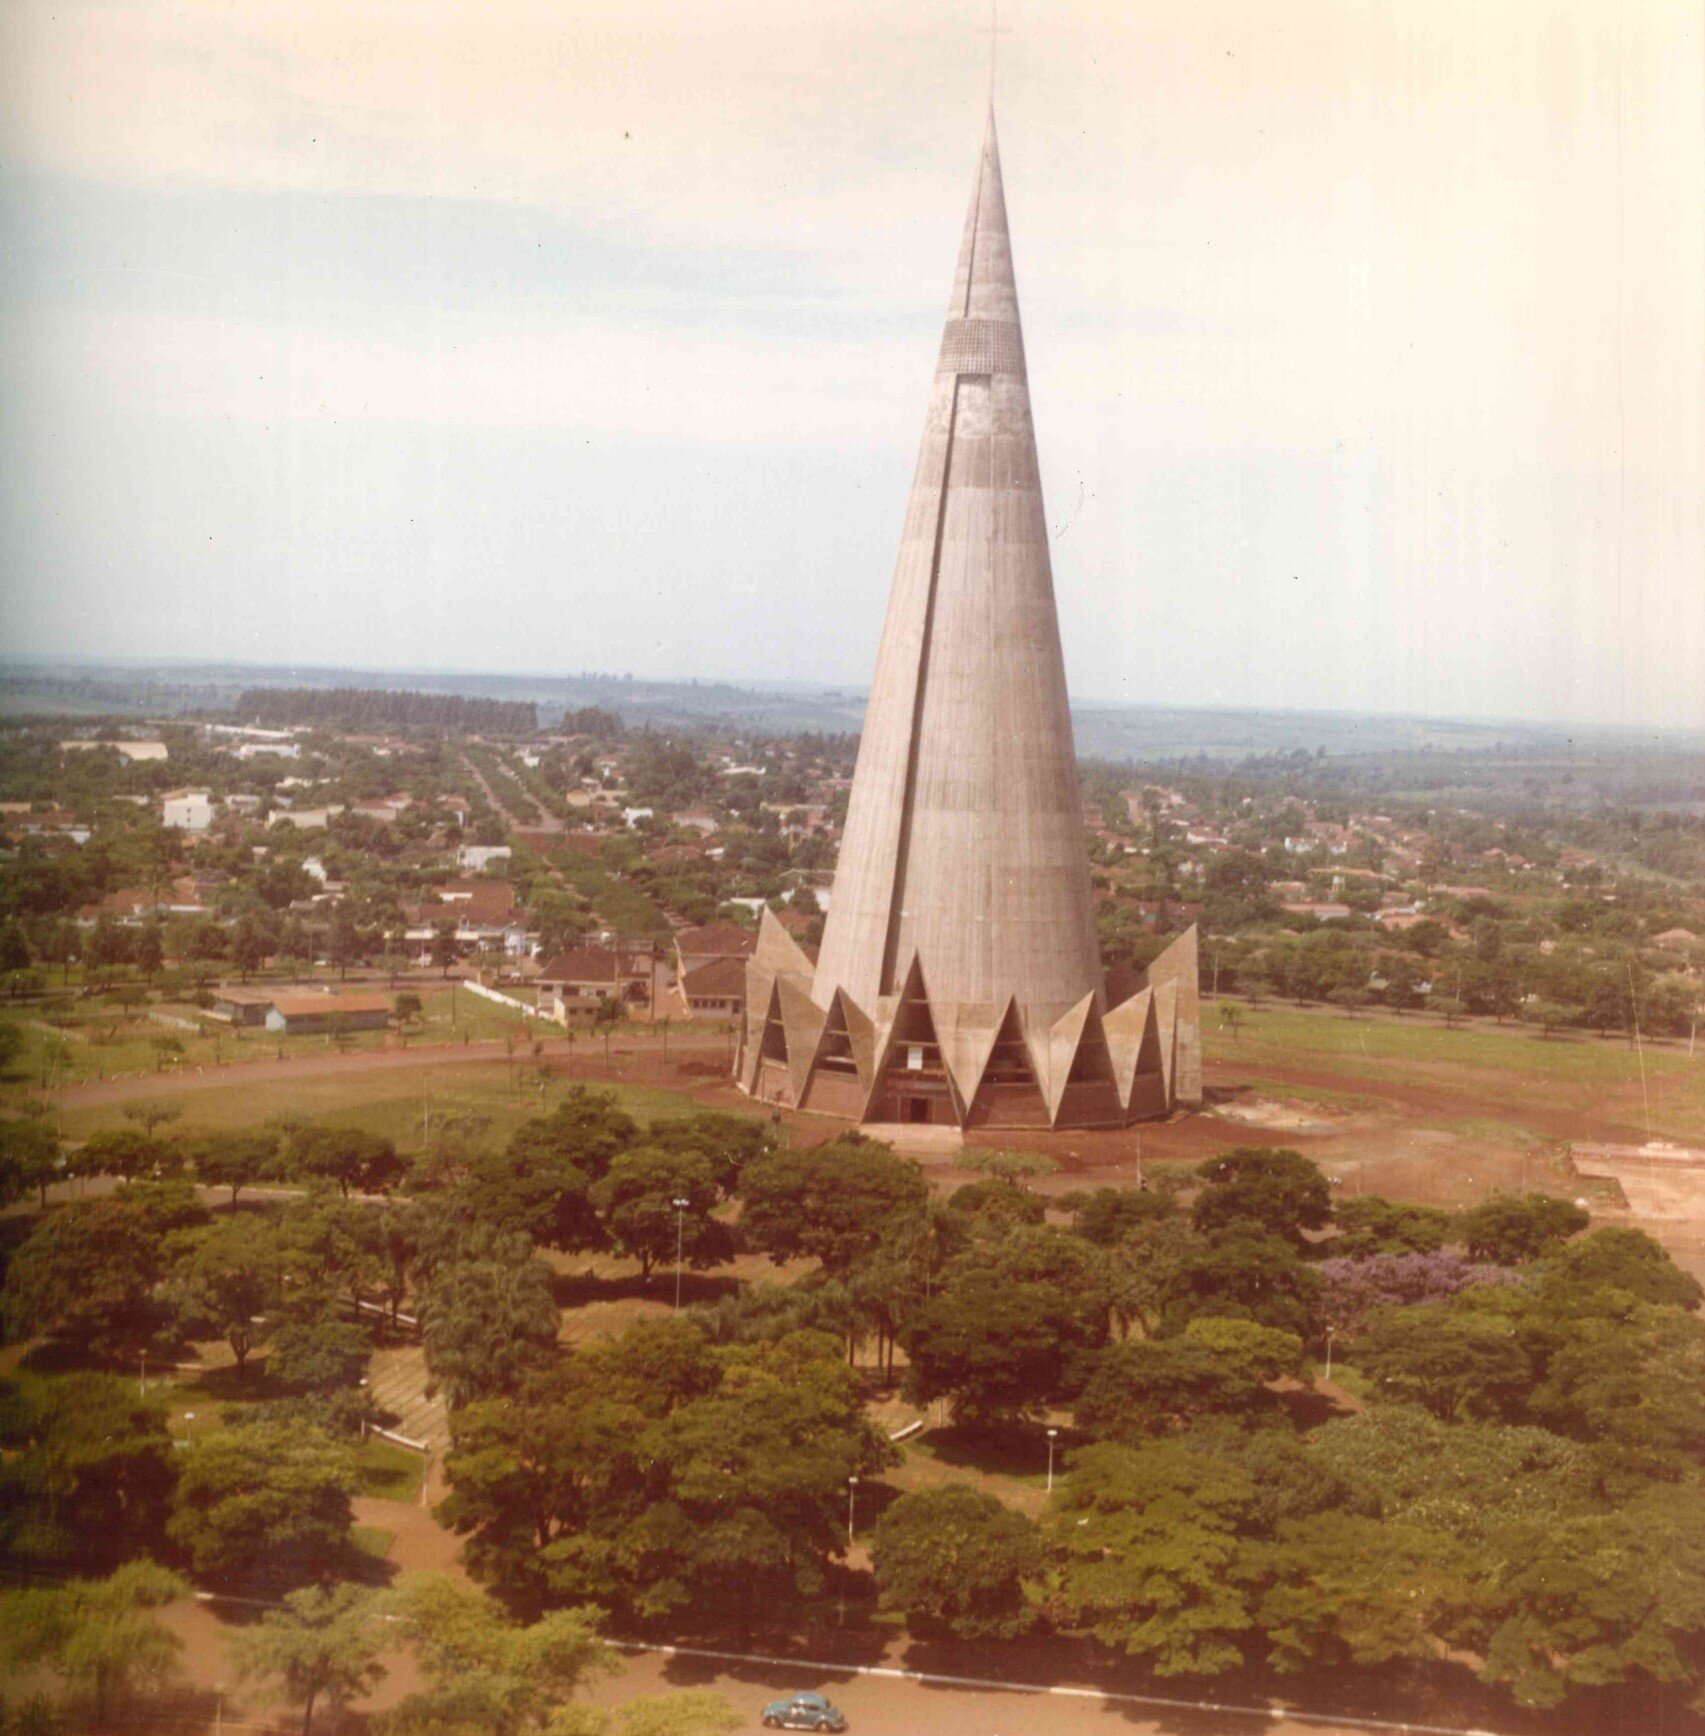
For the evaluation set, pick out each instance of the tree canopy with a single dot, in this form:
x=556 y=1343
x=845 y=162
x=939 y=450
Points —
x=1274 y=1191
x=265 y=1504
x=830 y=1203
x=954 y=1560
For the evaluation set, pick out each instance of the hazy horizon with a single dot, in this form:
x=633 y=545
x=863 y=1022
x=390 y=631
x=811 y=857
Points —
x=477 y=682
x=1365 y=343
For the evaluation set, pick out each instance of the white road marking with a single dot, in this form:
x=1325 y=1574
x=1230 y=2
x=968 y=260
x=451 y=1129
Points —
x=929 y=1676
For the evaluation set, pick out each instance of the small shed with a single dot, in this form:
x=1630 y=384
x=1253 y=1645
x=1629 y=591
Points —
x=306 y=1014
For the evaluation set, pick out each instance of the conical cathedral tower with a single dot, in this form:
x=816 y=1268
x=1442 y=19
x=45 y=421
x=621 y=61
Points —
x=960 y=980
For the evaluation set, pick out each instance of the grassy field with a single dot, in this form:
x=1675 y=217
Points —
x=398 y=1105
x=1491 y=1067
x=72 y=1042
x=1573 y=1058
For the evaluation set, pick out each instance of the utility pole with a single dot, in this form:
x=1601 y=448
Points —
x=680 y=1233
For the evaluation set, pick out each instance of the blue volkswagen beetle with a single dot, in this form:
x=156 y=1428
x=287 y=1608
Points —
x=803 y=1712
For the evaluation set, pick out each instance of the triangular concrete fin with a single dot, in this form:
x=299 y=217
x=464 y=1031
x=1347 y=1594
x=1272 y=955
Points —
x=1091 y=1095
x=861 y=1032
x=760 y=979
x=912 y=988
x=1166 y=1026
x=1181 y=958
x=912 y=1036
x=1126 y=1025
x=966 y=1041
x=1010 y=1088
x=802 y=1021
x=771 y=1035
x=778 y=950
x=1181 y=963
x=1063 y=1039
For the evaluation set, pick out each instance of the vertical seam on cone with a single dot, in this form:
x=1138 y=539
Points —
x=903 y=845
x=976 y=225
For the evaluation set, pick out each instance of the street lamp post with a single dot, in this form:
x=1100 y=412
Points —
x=142 y=1375
x=1330 y=1330
x=852 y=1497
x=1053 y=1435
x=680 y=1233
x=189 y=1427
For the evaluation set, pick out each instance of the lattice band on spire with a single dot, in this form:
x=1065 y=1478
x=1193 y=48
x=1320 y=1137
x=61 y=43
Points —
x=981 y=346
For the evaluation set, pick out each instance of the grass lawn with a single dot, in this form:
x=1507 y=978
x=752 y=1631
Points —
x=72 y=1042
x=389 y=1473
x=372 y=1540
x=1489 y=1063
x=394 y=1104
x=1011 y=1465
x=1276 y=1029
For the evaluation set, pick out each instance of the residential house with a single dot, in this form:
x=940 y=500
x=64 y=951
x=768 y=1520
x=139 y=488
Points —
x=126 y=904
x=714 y=991
x=386 y=810
x=696 y=947
x=485 y=913
x=576 y=981
x=309 y=819
x=56 y=822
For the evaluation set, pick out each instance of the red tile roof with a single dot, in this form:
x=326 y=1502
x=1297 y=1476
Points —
x=719 y=940
x=722 y=979
x=595 y=964
x=307 y=1005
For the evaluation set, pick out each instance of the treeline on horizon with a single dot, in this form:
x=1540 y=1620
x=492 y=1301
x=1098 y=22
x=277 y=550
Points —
x=372 y=708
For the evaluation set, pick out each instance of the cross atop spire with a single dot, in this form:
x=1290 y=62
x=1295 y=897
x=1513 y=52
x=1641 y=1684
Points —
x=993 y=29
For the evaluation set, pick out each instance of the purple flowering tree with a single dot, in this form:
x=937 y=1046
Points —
x=1353 y=1289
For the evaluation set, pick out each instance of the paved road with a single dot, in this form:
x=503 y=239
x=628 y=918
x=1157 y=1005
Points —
x=892 y=1704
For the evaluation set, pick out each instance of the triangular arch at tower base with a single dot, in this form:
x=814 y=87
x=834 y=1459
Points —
x=1010 y=1092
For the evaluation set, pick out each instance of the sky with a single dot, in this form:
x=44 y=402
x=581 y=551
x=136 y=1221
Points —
x=1366 y=337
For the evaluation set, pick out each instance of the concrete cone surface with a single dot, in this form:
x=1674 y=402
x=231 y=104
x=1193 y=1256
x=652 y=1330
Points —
x=960 y=981
x=964 y=837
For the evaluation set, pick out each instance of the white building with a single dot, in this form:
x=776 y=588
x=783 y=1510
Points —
x=187 y=810
x=131 y=751
x=478 y=857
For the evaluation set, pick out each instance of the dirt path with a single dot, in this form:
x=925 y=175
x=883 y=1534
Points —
x=419 y=1543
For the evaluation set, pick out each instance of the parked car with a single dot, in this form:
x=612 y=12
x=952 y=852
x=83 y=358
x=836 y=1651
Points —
x=803 y=1712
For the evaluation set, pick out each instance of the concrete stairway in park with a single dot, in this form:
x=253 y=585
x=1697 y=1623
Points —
x=396 y=1377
